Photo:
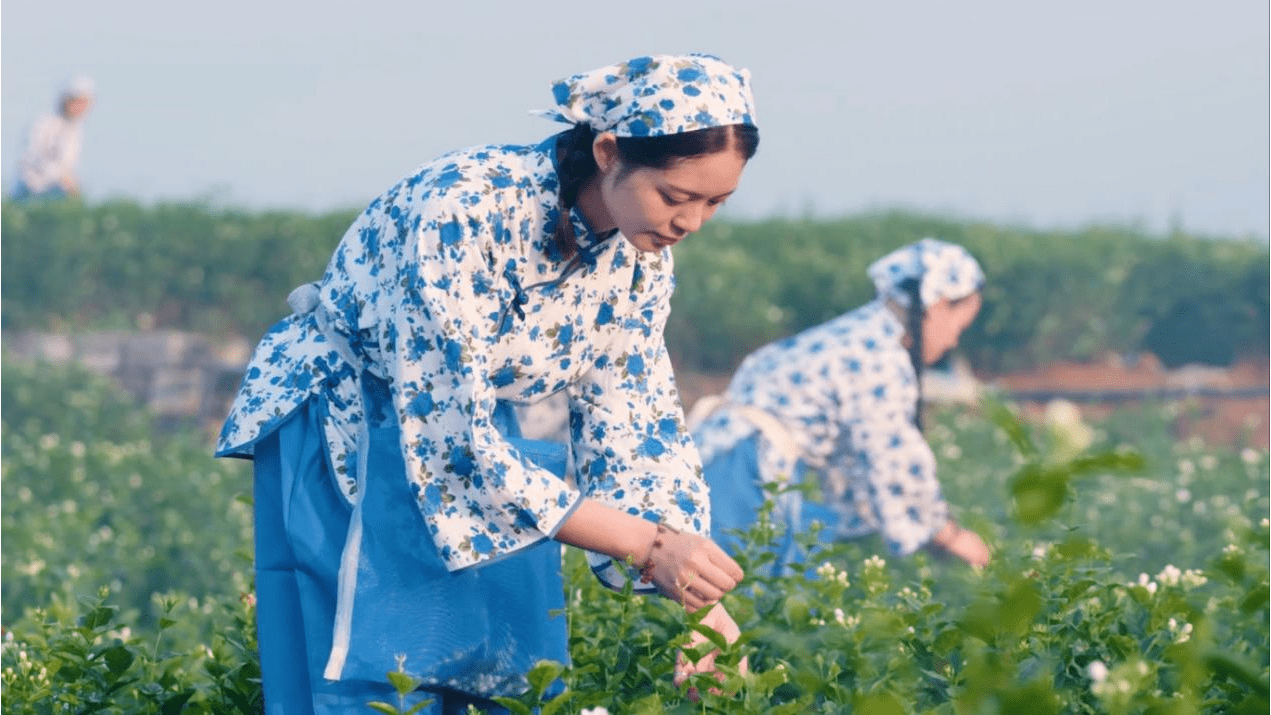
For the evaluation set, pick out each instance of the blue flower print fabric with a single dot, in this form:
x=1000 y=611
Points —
x=655 y=96
x=946 y=270
x=448 y=287
x=846 y=392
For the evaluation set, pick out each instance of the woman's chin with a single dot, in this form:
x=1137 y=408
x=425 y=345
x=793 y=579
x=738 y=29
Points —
x=646 y=243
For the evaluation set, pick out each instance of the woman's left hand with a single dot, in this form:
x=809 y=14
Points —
x=719 y=621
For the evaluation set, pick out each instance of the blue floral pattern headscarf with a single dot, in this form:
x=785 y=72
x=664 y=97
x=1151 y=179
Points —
x=655 y=96
x=945 y=269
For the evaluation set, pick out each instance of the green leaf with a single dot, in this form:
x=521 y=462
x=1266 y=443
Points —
x=402 y=682
x=1038 y=493
x=555 y=704
x=796 y=608
x=174 y=704
x=1077 y=547
x=1036 y=698
x=1011 y=612
x=1251 y=705
x=878 y=704
x=714 y=636
x=98 y=617
x=516 y=706
x=1238 y=670
x=1256 y=599
x=543 y=674
x=1020 y=606
x=118 y=659
x=382 y=707
x=1012 y=426
x=1106 y=462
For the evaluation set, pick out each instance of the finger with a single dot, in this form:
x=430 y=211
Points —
x=690 y=600
x=705 y=591
x=718 y=578
x=682 y=671
x=725 y=563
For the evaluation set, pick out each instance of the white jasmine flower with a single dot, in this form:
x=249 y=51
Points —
x=1208 y=462
x=1194 y=578
x=1097 y=671
x=597 y=710
x=1170 y=575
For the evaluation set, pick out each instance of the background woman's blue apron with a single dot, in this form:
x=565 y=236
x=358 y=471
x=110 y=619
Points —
x=737 y=494
x=476 y=631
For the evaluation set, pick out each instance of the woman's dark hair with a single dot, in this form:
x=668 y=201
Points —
x=913 y=325
x=576 y=162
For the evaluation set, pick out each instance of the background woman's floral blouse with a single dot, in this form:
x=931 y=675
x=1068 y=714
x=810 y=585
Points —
x=846 y=392
x=447 y=288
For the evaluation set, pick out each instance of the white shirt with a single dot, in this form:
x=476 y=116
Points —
x=52 y=152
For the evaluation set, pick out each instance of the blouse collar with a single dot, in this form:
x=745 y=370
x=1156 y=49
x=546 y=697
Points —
x=590 y=243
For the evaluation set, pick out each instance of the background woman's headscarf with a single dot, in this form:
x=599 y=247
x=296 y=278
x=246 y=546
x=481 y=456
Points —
x=655 y=96
x=945 y=270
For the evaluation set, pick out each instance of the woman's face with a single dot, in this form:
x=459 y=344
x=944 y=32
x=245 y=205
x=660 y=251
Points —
x=943 y=324
x=656 y=208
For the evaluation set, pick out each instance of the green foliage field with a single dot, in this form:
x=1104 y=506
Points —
x=1051 y=295
x=1130 y=570
x=1130 y=576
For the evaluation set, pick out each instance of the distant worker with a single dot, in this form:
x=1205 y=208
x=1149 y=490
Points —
x=840 y=404
x=49 y=162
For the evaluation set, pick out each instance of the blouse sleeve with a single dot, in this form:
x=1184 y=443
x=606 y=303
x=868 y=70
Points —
x=479 y=499
x=898 y=470
x=632 y=450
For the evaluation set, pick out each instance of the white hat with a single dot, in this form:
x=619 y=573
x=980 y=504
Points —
x=80 y=86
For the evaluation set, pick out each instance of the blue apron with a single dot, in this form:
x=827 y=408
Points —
x=737 y=495
x=464 y=634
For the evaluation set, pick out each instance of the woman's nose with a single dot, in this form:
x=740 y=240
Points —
x=688 y=220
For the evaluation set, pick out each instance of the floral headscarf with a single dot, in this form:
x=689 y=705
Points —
x=655 y=96
x=946 y=270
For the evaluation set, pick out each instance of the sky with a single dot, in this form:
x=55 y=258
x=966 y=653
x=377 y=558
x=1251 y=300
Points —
x=1149 y=114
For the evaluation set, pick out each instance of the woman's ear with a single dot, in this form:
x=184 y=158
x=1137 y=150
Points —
x=605 y=150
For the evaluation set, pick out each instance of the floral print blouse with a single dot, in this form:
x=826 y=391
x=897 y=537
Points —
x=846 y=393
x=449 y=288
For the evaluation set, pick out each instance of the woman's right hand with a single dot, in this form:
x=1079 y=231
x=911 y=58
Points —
x=691 y=569
x=688 y=568
x=964 y=544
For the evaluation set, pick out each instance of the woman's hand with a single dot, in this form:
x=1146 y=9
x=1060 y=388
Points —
x=686 y=567
x=964 y=544
x=722 y=623
x=692 y=569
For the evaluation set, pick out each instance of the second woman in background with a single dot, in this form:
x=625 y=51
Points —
x=841 y=402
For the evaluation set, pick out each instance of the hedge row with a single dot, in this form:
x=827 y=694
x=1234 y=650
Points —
x=1051 y=294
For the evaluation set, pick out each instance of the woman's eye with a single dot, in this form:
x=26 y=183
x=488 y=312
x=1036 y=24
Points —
x=666 y=198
